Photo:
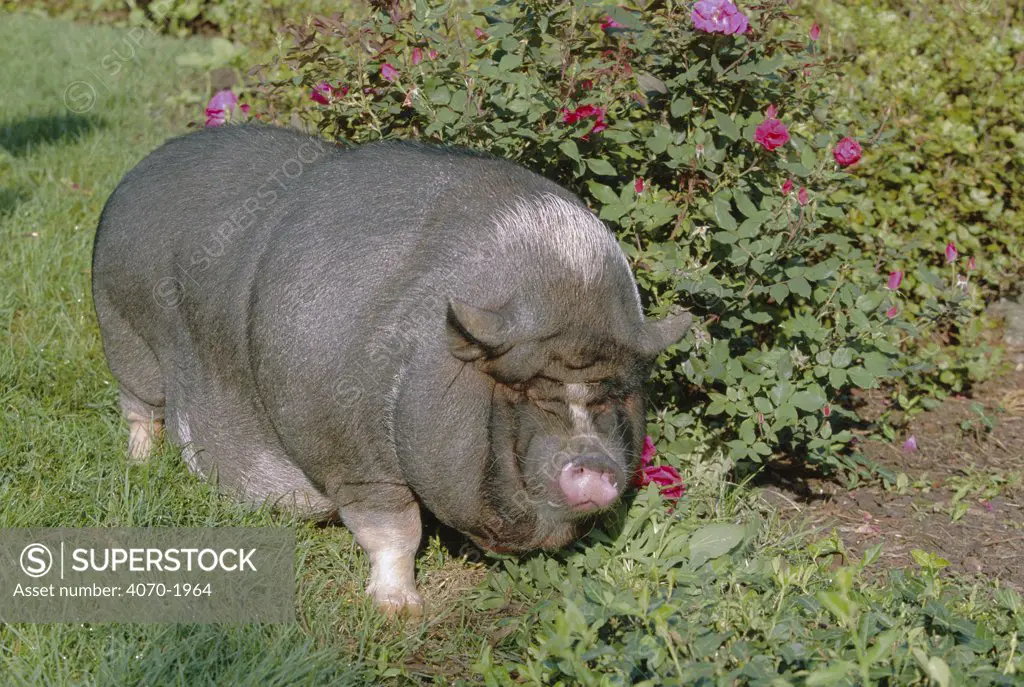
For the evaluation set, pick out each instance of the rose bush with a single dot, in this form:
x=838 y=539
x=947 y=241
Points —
x=687 y=135
x=943 y=89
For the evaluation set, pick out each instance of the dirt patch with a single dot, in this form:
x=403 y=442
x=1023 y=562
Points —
x=959 y=495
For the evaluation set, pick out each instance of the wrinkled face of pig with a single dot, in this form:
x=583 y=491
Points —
x=567 y=422
x=576 y=438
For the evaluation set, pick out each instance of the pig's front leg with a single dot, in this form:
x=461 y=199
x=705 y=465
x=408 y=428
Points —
x=390 y=538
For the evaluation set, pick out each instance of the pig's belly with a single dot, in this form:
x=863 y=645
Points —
x=225 y=434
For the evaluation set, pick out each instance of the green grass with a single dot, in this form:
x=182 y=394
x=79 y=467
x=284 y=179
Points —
x=62 y=455
x=717 y=591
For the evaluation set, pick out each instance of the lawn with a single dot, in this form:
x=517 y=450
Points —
x=62 y=459
x=718 y=590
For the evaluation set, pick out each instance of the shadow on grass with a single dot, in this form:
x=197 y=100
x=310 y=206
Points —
x=9 y=199
x=20 y=137
x=791 y=475
x=459 y=545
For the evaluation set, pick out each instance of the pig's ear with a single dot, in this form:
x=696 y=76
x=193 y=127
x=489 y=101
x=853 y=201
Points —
x=475 y=332
x=660 y=334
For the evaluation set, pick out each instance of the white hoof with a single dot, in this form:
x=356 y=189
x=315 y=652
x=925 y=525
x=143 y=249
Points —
x=396 y=601
x=141 y=436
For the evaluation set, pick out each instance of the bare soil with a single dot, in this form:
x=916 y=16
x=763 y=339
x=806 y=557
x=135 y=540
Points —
x=955 y=452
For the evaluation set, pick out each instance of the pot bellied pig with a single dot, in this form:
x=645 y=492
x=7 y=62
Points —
x=372 y=330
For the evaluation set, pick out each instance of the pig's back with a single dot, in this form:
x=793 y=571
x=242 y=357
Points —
x=270 y=238
x=204 y=208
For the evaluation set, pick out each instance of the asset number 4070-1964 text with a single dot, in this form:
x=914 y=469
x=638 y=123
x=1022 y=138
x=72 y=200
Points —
x=160 y=589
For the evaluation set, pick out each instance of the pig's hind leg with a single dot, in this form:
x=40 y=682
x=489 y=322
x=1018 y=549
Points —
x=145 y=425
x=390 y=538
x=139 y=378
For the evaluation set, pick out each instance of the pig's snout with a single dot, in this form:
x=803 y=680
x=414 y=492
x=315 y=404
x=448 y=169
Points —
x=588 y=483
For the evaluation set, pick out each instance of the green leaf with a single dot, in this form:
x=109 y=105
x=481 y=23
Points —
x=778 y=292
x=830 y=211
x=458 y=100
x=807 y=157
x=726 y=126
x=800 y=287
x=831 y=674
x=446 y=115
x=876 y=364
x=510 y=61
x=439 y=96
x=785 y=416
x=929 y=561
x=883 y=643
x=842 y=357
x=784 y=367
x=751 y=227
x=650 y=83
x=744 y=204
x=660 y=140
x=933 y=666
x=712 y=541
x=811 y=400
x=570 y=150
x=869 y=302
x=612 y=212
x=861 y=377
x=768 y=66
x=602 y=193
x=747 y=432
x=601 y=167
x=757 y=317
x=681 y=106
x=840 y=606
x=723 y=211
x=715 y=407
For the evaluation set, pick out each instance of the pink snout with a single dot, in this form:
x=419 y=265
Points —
x=587 y=488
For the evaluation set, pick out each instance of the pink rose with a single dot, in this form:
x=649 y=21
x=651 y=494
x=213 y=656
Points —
x=647 y=454
x=586 y=112
x=815 y=32
x=581 y=112
x=322 y=93
x=417 y=56
x=787 y=187
x=771 y=133
x=638 y=185
x=895 y=279
x=847 y=152
x=220 y=107
x=718 y=16
x=668 y=479
x=801 y=196
x=609 y=23
x=950 y=253
x=388 y=72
